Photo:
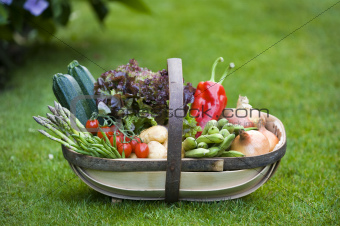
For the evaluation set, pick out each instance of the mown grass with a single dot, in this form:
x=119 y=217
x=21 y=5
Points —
x=297 y=80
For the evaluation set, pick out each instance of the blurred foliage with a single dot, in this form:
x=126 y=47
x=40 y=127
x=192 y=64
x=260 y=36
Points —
x=23 y=22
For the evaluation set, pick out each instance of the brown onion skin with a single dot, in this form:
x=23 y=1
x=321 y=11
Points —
x=273 y=140
x=251 y=143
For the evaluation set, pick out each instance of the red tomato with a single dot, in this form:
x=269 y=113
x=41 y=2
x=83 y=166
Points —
x=114 y=128
x=142 y=150
x=118 y=141
x=126 y=148
x=119 y=134
x=134 y=142
x=107 y=131
x=124 y=138
x=116 y=131
x=92 y=126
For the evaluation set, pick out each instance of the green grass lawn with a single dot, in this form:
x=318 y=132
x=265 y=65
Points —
x=297 y=80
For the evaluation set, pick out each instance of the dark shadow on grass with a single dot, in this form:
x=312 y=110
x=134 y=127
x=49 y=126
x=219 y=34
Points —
x=83 y=193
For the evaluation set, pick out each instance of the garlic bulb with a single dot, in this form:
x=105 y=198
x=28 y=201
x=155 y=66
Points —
x=243 y=102
x=244 y=114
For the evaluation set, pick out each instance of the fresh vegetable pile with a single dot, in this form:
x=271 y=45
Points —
x=130 y=100
x=223 y=139
x=124 y=113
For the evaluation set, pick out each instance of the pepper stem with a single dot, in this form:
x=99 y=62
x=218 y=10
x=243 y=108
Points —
x=225 y=74
x=218 y=60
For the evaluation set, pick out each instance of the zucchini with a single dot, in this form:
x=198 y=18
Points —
x=65 y=89
x=85 y=80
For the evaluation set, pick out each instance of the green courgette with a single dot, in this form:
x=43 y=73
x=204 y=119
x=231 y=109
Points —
x=65 y=89
x=85 y=80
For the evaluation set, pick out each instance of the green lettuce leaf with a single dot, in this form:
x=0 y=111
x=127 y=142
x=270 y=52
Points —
x=137 y=123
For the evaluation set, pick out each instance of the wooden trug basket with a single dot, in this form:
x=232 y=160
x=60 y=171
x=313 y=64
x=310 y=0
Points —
x=173 y=179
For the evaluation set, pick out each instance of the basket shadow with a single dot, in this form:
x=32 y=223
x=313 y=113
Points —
x=84 y=194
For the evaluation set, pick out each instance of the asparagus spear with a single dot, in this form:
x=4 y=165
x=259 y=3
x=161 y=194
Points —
x=51 y=118
x=74 y=119
x=57 y=139
x=47 y=121
x=53 y=110
x=64 y=125
x=56 y=131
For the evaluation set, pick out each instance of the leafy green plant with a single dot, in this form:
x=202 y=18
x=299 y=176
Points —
x=31 y=19
x=25 y=21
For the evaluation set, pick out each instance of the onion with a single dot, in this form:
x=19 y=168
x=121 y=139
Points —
x=273 y=140
x=244 y=114
x=251 y=143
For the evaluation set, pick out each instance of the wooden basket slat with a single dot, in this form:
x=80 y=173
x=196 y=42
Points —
x=173 y=169
x=130 y=165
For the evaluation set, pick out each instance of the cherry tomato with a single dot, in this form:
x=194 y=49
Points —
x=134 y=142
x=124 y=138
x=114 y=128
x=142 y=150
x=119 y=134
x=107 y=131
x=118 y=141
x=126 y=147
x=92 y=126
x=116 y=132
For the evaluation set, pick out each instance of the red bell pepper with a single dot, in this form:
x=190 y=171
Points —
x=210 y=98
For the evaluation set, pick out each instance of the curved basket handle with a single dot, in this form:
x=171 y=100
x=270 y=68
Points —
x=176 y=114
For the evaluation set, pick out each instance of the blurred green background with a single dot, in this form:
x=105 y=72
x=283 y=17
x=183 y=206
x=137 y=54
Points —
x=297 y=79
